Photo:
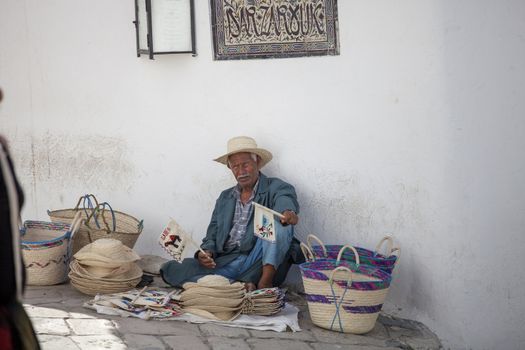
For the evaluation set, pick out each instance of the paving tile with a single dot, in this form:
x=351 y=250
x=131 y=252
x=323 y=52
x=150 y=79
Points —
x=45 y=310
x=54 y=342
x=422 y=343
x=379 y=331
x=54 y=326
x=40 y=295
x=326 y=336
x=82 y=312
x=97 y=342
x=152 y=327
x=325 y=346
x=265 y=344
x=185 y=342
x=304 y=335
x=221 y=343
x=143 y=342
x=81 y=326
x=395 y=332
x=213 y=330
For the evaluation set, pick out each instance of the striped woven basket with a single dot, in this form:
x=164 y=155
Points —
x=104 y=222
x=46 y=250
x=385 y=262
x=344 y=296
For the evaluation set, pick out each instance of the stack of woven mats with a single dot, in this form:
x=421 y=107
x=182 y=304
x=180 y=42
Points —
x=264 y=302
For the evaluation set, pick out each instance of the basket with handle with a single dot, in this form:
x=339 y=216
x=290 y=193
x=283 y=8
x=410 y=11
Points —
x=344 y=296
x=385 y=262
x=104 y=222
x=46 y=248
x=89 y=203
x=86 y=205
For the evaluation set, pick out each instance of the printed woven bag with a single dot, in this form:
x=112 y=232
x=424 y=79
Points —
x=344 y=296
x=46 y=248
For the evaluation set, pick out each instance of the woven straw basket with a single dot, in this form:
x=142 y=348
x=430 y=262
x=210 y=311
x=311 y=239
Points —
x=121 y=226
x=105 y=222
x=343 y=296
x=46 y=251
x=89 y=203
x=385 y=262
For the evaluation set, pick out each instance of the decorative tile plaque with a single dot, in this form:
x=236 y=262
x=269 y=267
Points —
x=245 y=29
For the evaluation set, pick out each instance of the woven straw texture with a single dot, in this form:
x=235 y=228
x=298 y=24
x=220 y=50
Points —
x=100 y=221
x=91 y=285
x=85 y=206
x=46 y=251
x=344 y=296
x=373 y=258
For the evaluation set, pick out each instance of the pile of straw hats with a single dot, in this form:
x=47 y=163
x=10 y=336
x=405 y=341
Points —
x=105 y=266
x=213 y=297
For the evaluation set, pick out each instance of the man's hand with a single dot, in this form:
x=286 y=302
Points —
x=206 y=260
x=290 y=218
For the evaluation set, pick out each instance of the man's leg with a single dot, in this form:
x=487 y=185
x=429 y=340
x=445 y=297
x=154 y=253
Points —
x=273 y=254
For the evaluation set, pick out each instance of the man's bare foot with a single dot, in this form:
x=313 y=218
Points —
x=264 y=284
x=249 y=286
x=266 y=280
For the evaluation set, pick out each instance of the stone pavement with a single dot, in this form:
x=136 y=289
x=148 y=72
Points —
x=62 y=323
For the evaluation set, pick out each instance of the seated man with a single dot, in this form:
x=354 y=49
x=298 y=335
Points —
x=231 y=248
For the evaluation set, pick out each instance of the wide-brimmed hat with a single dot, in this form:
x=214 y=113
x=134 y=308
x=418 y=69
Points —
x=217 y=282
x=125 y=273
x=245 y=144
x=106 y=252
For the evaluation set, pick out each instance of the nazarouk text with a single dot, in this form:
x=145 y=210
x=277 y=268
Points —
x=302 y=18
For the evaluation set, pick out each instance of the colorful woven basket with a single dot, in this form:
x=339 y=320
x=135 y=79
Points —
x=46 y=250
x=344 y=296
x=385 y=262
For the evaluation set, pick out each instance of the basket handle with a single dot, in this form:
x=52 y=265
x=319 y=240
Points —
x=307 y=252
x=357 y=262
x=101 y=208
x=75 y=224
x=398 y=250
x=112 y=216
x=87 y=199
x=314 y=237
x=341 y=268
x=389 y=248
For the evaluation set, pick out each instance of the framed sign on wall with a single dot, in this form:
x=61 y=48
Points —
x=244 y=29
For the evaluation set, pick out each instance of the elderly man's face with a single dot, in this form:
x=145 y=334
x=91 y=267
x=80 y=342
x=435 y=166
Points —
x=244 y=168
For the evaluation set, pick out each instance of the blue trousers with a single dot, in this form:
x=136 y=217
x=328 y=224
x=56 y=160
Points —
x=263 y=253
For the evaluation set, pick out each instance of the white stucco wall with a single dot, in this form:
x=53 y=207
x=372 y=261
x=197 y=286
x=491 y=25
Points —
x=415 y=130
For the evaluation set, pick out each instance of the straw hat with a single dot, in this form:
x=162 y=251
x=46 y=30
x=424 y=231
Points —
x=117 y=275
x=244 y=144
x=206 y=301
x=218 y=316
x=194 y=293
x=106 y=252
x=215 y=282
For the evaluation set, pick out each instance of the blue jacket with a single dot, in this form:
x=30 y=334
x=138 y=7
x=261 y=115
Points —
x=272 y=192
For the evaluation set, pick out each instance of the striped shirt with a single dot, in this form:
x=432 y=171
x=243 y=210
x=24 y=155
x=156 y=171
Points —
x=243 y=213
